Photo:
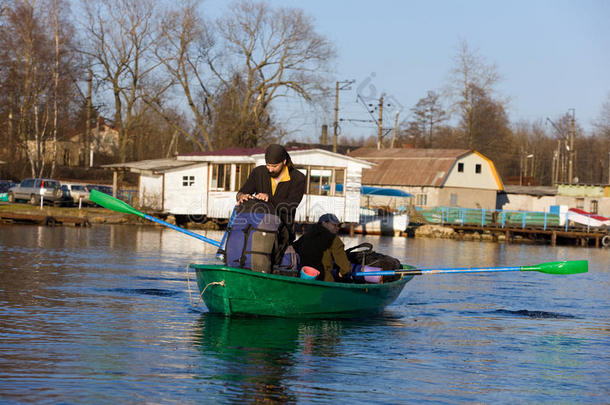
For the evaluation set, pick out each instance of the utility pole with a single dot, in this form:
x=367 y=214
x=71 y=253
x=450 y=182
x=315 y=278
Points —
x=571 y=152
x=380 y=122
x=395 y=129
x=342 y=85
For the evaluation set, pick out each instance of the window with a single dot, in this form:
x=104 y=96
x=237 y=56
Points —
x=339 y=181
x=477 y=168
x=325 y=181
x=594 y=206
x=422 y=200
x=221 y=177
x=460 y=167
x=188 y=181
x=319 y=181
x=242 y=171
x=453 y=199
x=580 y=203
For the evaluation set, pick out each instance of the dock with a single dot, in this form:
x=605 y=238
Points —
x=539 y=227
x=43 y=219
x=551 y=236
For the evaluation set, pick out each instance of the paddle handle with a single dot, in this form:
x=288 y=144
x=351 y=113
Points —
x=179 y=229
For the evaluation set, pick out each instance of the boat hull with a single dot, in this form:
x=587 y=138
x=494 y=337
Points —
x=234 y=291
x=392 y=224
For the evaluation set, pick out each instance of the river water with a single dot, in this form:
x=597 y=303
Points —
x=105 y=315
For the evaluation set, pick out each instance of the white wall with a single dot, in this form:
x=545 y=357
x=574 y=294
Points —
x=151 y=191
x=186 y=199
x=518 y=202
x=469 y=178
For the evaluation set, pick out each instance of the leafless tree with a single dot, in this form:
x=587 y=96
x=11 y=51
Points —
x=470 y=73
x=231 y=73
x=120 y=36
x=277 y=52
x=428 y=114
x=35 y=58
x=183 y=50
x=602 y=123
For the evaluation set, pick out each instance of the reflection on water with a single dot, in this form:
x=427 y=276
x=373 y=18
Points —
x=102 y=315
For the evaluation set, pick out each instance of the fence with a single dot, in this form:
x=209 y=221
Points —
x=487 y=217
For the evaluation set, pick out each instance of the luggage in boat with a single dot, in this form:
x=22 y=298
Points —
x=364 y=258
x=257 y=239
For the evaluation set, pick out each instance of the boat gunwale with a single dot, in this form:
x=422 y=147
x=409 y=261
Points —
x=293 y=279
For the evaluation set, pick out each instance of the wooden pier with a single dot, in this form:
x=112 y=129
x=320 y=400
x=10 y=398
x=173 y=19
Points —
x=43 y=219
x=572 y=235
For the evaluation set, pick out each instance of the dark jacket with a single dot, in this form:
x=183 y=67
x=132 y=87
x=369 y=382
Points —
x=322 y=250
x=288 y=194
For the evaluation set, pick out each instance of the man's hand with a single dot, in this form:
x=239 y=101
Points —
x=261 y=196
x=244 y=197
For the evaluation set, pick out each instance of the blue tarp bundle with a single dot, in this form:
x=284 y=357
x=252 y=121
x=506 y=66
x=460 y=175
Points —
x=370 y=190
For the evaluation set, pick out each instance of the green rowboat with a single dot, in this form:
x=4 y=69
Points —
x=235 y=291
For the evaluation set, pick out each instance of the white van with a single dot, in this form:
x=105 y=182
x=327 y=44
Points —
x=80 y=193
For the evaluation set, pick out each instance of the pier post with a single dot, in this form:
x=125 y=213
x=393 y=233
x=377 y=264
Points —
x=553 y=238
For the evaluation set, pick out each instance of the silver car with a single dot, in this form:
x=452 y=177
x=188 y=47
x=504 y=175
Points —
x=33 y=190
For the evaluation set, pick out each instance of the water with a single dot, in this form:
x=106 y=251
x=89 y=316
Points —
x=104 y=315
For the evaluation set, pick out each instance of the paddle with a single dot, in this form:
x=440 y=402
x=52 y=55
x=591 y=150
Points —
x=117 y=205
x=566 y=267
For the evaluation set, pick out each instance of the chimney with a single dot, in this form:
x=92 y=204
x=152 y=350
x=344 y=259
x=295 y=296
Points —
x=324 y=137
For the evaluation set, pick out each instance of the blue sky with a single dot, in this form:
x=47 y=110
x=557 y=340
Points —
x=552 y=55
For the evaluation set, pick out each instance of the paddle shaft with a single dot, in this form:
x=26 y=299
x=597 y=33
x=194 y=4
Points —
x=179 y=229
x=419 y=272
x=114 y=204
x=565 y=267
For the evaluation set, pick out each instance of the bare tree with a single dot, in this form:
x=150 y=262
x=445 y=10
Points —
x=277 y=52
x=120 y=36
x=602 y=123
x=428 y=113
x=470 y=73
x=184 y=51
x=35 y=47
x=230 y=74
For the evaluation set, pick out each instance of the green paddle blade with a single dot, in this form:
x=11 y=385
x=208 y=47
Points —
x=567 y=267
x=108 y=201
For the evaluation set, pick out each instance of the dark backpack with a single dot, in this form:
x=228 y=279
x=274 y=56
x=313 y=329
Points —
x=363 y=255
x=257 y=239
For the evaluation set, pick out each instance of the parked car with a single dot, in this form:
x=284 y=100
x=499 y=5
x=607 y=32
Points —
x=80 y=192
x=66 y=197
x=33 y=190
x=5 y=185
x=103 y=189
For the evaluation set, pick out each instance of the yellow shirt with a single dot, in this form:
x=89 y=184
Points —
x=284 y=176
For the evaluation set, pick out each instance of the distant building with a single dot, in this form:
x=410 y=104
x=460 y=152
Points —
x=436 y=177
x=71 y=152
x=594 y=199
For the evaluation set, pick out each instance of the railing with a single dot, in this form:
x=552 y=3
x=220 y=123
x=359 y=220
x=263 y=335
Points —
x=487 y=217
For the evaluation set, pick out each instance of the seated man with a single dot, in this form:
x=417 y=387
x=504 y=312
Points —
x=322 y=249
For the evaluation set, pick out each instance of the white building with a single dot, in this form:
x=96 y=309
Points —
x=204 y=185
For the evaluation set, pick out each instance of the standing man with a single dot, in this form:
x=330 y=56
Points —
x=279 y=183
